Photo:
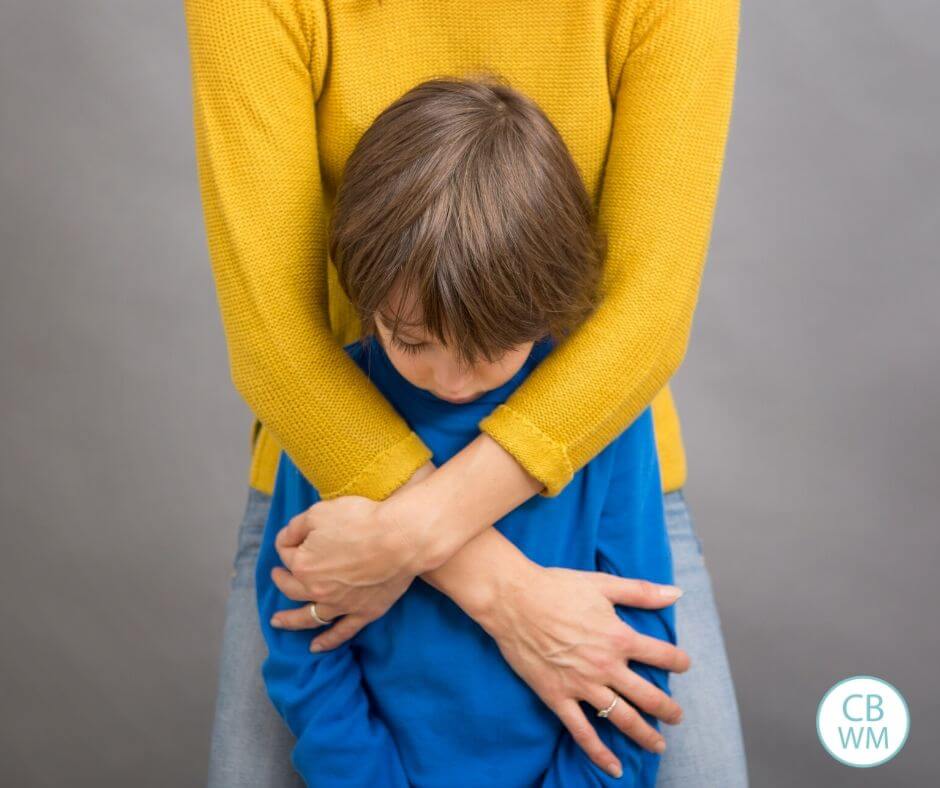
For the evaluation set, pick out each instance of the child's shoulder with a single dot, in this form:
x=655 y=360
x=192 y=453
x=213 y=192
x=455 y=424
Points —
x=634 y=451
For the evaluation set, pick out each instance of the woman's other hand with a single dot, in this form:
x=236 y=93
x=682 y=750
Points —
x=557 y=628
x=340 y=555
x=346 y=555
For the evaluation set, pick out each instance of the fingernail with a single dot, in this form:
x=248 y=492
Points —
x=316 y=647
x=660 y=746
x=614 y=770
x=276 y=622
x=672 y=592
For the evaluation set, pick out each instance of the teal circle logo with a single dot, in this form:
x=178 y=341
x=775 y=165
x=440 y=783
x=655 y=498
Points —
x=863 y=721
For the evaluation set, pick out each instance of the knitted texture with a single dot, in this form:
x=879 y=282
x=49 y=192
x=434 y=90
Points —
x=640 y=90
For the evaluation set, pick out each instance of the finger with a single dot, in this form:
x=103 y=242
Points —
x=637 y=593
x=658 y=653
x=290 y=537
x=294 y=533
x=585 y=735
x=628 y=720
x=301 y=618
x=647 y=696
x=287 y=555
x=339 y=633
x=289 y=585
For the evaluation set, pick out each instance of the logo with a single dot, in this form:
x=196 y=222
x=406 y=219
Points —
x=863 y=721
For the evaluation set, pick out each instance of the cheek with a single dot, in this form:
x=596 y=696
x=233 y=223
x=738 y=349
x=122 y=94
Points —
x=409 y=367
x=490 y=377
x=497 y=374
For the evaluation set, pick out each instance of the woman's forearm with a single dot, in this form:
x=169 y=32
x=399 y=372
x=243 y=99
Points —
x=460 y=554
x=460 y=500
x=480 y=573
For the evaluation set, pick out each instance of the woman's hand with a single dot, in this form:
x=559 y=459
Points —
x=350 y=558
x=343 y=557
x=370 y=604
x=557 y=628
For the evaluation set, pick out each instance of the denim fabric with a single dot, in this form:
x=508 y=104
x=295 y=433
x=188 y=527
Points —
x=251 y=745
x=706 y=749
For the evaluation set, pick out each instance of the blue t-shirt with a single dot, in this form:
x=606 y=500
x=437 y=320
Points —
x=422 y=696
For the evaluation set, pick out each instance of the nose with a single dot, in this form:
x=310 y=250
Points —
x=453 y=379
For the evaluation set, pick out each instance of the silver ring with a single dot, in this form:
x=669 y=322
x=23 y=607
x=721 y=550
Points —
x=606 y=712
x=313 y=612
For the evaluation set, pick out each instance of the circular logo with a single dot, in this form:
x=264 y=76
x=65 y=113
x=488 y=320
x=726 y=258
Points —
x=863 y=721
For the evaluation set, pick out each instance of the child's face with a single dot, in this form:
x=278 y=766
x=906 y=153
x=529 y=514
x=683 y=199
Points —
x=424 y=362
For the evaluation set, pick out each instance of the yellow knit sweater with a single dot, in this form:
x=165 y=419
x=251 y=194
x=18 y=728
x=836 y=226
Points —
x=641 y=92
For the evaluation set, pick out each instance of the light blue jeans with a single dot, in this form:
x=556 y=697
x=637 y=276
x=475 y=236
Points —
x=251 y=744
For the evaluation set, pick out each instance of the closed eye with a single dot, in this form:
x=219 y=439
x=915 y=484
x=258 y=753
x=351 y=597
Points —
x=405 y=347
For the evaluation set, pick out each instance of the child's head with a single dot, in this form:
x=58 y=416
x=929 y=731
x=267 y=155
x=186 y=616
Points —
x=462 y=233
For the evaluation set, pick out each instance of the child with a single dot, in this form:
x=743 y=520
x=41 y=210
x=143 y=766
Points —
x=463 y=236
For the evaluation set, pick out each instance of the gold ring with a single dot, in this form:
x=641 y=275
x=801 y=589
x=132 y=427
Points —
x=313 y=612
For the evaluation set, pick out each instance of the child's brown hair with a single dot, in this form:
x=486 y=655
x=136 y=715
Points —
x=463 y=194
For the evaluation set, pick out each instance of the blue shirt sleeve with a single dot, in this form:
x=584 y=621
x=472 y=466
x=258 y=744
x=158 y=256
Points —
x=340 y=739
x=631 y=542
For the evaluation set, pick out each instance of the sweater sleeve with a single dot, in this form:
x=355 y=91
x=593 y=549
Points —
x=672 y=106
x=257 y=68
x=340 y=739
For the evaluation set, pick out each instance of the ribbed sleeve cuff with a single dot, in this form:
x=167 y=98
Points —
x=543 y=458
x=387 y=471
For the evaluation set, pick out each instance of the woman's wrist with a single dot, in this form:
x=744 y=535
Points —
x=439 y=511
x=482 y=576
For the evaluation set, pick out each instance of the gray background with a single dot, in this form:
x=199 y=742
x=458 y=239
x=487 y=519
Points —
x=809 y=396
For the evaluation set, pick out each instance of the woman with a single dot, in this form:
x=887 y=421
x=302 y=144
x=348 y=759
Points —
x=641 y=90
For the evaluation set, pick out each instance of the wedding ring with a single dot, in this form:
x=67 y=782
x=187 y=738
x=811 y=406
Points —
x=313 y=612
x=606 y=712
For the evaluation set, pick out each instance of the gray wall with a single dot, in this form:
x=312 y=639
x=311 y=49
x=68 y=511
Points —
x=809 y=394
